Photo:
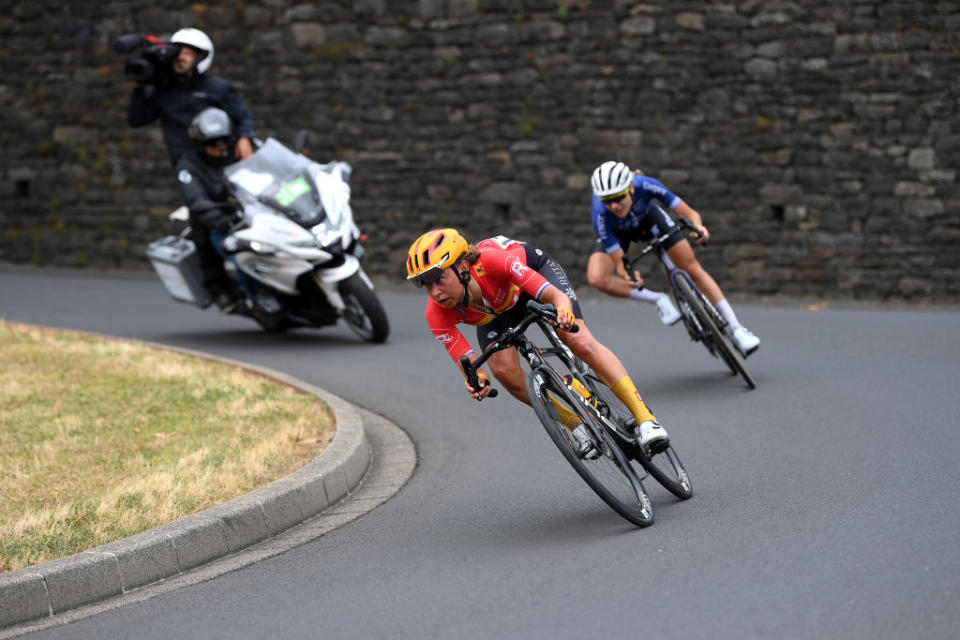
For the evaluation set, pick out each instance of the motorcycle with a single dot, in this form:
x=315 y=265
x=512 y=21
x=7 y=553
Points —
x=296 y=252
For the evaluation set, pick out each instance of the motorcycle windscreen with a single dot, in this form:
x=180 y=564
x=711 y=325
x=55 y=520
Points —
x=279 y=178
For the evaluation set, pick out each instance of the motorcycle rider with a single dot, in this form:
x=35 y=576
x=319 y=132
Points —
x=191 y=91
x=205 y=191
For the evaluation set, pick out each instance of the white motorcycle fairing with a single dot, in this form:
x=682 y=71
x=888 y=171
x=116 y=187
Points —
x=276 y=251
x=328 y=279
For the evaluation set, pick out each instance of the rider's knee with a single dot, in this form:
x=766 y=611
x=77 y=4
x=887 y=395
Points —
x=508 y=375
x=685 y=258
x=582 y=344
x=694 y=269
x=597 y=280
x=599 y=271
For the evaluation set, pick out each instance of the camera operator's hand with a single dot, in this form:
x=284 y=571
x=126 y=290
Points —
x=244 y=148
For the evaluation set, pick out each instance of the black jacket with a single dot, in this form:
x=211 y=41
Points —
x=203 y=186
x=177 y=104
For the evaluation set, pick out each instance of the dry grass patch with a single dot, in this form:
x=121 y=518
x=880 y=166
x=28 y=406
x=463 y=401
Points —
x=101 y=439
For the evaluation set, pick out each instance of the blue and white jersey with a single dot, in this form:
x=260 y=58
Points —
x=645 y=190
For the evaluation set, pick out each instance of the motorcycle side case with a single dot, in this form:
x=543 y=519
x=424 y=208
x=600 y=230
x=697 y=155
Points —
x=177 y=264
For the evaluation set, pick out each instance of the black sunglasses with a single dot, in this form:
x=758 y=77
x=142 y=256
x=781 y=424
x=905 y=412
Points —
x=428 y=277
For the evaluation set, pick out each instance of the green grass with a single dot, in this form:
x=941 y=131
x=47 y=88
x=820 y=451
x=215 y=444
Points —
x=101 y=439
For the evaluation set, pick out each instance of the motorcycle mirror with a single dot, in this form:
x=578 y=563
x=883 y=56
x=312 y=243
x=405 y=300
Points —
x=300 y=141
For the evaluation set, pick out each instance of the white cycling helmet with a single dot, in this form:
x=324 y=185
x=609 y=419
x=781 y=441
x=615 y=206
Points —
x=611 y=178
x=199 y=41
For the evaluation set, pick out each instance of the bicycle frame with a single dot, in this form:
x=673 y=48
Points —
x=674 y=273
x=515 y=337
x=594 y=408
x=696 y=330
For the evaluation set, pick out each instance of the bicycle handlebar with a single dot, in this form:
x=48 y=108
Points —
x=682 y=225
x=472 y=379
x=536 y=311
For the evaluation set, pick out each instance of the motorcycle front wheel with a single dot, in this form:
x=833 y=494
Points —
x=363 y=312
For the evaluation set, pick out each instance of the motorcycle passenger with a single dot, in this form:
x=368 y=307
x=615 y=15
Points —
x=622 y=213
x=191 y=91
x=488 y=285
x=205 y=192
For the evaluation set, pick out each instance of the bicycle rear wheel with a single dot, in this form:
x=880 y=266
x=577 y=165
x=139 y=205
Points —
x=610 y=474
x=728 y=352
x=665 y=466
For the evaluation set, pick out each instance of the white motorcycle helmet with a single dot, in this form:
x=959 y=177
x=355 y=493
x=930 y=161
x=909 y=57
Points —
x=199 y=41
x=210 y=126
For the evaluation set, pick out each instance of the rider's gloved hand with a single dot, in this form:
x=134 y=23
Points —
x=222 y=226
x=484 y=390
x=217 y=220
x=704 y=235
x=565 y=318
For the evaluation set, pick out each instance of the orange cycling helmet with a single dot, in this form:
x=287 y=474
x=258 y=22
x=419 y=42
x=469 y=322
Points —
x=433 y=252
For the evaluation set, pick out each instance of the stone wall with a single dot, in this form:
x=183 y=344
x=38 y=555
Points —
x=819 y=139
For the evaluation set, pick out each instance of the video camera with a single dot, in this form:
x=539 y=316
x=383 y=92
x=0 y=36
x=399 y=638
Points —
x=153 y=60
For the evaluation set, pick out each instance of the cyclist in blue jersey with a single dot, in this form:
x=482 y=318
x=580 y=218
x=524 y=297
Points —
x=622 y=213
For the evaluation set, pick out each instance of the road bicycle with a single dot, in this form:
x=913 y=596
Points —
x=703 y=322
x=557 y=378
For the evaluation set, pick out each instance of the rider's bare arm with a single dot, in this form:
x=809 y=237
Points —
x=636 y=279
x=690 y=214
x=561 y=301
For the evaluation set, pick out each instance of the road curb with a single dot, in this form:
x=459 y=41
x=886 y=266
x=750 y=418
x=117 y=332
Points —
x=169 y=550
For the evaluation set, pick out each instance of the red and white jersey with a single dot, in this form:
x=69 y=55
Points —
x=503 y=275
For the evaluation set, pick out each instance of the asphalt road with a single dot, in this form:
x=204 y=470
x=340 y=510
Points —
x=825 y=500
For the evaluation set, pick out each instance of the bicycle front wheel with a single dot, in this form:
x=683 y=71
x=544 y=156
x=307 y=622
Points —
x=665 y=466
x=610 y=474
x=728 y=352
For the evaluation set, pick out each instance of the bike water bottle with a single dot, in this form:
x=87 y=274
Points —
x=579 y=388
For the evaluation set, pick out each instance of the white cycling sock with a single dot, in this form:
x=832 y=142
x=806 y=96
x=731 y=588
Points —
x=727 y=312
x=646 y=295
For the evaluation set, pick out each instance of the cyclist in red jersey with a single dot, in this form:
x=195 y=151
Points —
x=487 y=285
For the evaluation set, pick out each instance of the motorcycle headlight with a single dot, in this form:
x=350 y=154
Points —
x=232 y=244
x=326 y=236
x=262 y=248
